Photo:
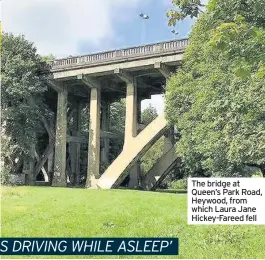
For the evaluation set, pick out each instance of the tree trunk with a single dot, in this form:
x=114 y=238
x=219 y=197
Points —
x=44 y=157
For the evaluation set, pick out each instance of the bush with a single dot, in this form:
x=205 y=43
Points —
x=5 y=175
x=181 y=184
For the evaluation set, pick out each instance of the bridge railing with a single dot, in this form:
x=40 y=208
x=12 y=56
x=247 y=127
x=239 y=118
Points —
x=145 y=50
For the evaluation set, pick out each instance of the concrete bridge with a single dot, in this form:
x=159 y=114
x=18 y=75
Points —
x=100 y=79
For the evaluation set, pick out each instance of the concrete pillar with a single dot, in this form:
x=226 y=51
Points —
x=28 y=170
x=135 y=171
x=131 y=129
x=105 y=127
x=50 y=161
x=75 y=146
x=94 y=138
x=139 y=112
x=131 y=113
x=59 y=178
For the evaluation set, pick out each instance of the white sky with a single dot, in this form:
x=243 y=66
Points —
x=58 y=26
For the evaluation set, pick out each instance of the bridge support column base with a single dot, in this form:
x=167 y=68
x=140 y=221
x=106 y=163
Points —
x=134 y=176
x=28 y=170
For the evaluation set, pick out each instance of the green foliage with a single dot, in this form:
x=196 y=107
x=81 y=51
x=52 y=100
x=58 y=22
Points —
x=5 y=174
x=117 y=116
x=183 y=9
x=217 y=98
x=181 y=184
x=117 y=124
x=48 y=58
x=148 y=115
x=22 y=83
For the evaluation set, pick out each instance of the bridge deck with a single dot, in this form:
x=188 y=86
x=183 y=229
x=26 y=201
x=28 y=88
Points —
x=135 y=58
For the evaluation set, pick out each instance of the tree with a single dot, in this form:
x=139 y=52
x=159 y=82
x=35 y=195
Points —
x=117 y=124
x=217 y=99
x=148 y=115
x=22 y=103
x=184 y=8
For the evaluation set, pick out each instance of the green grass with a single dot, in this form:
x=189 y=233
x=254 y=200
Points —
x=64 y=212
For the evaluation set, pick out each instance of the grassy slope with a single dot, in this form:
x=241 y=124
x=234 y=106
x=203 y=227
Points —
x=59 y=212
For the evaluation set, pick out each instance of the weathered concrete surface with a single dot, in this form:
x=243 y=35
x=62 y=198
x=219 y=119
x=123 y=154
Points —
x=109 y=68
x=94 y=138
x=59 y=178
x=75 y=147
x=131 y=114
x=132 y=57
x=105 y=127
x=137 y=146
x=135 y=173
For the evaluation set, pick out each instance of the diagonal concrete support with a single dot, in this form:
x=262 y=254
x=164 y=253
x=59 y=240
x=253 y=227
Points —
x=57 y=86
x=90 y=82
x=164 y=70
x=94 y=138
x=59 y=178
x=118 y=170
x=125 y=76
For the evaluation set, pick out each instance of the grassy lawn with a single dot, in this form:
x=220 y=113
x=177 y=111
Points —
x=64 y=212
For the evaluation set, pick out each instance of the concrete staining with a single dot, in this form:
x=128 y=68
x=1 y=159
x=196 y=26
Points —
x=100 y=79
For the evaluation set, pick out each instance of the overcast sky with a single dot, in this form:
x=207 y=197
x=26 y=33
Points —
x=74 y=27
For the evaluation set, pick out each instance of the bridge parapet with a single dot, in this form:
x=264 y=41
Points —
x=117 y=55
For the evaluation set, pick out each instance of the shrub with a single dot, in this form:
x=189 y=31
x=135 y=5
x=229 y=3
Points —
x=181 y=184
x=5 y=175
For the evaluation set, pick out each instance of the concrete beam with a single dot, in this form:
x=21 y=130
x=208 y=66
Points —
x=55 y=85
x=114 y=88
x=106 y=134
x=103 y=134
x=88 y=81
x=123 y=75
x=164 y=70
x=108 y=68
x=76 y=139
x=77 y=92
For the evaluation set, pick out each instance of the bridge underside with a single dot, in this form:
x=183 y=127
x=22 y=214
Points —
x=98 y=86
